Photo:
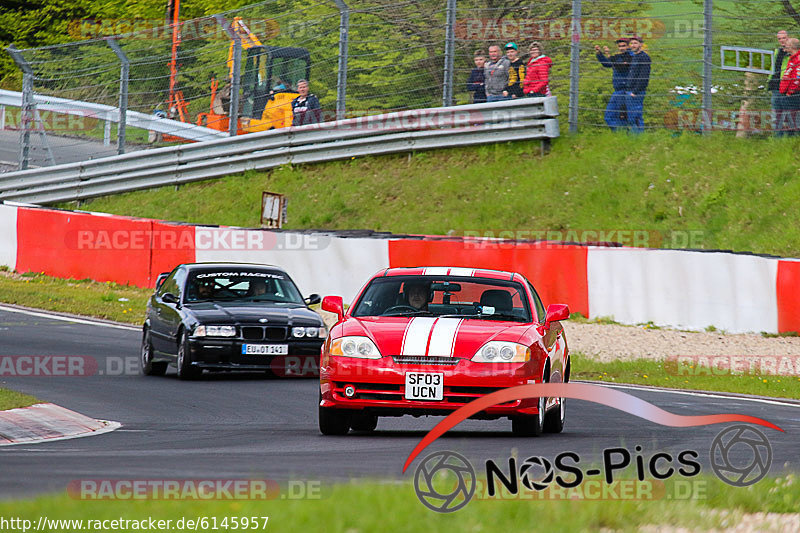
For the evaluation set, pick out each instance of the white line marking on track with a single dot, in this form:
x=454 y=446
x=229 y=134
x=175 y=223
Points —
x=721 y=395
x=68 y=319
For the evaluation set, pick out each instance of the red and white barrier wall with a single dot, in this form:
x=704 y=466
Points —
x=683 y=289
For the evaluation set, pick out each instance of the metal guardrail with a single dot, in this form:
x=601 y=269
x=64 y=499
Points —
x=527 y=118
x=191 y=132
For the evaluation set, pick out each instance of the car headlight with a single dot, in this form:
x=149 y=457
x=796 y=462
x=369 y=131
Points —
x=360 y=347
x=215 y=331
x=309 y=331
x=502 y=352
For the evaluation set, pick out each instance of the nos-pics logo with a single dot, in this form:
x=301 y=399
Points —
x=446 y=481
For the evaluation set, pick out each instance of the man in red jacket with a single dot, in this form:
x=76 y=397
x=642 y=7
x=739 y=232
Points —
x=537 y=73
x=790 y=90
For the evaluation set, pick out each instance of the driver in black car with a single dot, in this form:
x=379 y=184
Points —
x=204 y=291
x=418 y=295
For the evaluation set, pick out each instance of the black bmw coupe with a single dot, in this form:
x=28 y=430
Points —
x=230 y=316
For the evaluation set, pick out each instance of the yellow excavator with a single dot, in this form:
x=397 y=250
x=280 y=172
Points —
x=269 y=75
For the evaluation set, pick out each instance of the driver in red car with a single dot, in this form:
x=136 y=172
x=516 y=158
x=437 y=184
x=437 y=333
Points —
x=418 y=295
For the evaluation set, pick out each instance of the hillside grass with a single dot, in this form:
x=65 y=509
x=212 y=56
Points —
x=736 y=194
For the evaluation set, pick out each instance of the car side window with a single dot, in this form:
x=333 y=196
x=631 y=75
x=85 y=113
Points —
x=537 y=302
x=170 y=284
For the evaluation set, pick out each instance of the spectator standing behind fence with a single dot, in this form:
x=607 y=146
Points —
x=496 y=75
x=620 y=64
x=475 y=83
x=638 y=80
x=537 y=72
x=790 y=89
x=774 y=83
x=305 y=108
x=516 y=72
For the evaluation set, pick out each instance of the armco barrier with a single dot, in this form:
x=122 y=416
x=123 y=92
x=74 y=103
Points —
x=525 y=118
x=684 y=289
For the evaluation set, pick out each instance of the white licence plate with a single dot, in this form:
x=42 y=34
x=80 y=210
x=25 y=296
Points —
x=265 y=349
x=424 y=386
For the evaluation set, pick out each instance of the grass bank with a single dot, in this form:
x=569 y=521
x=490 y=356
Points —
x=373 y=506
x=737 y=194
x=81 y=297
x=10 y=399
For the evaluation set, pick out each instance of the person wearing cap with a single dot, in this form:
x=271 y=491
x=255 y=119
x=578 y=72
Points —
x=620 y=64
x=516 y=72
x=537 y=72
x=638 y=80
x=496 y=75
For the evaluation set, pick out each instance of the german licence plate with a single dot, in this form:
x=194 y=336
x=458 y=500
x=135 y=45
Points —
x=424 y=386
x=265 y=349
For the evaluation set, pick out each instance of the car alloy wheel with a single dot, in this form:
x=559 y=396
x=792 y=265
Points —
x=184 y=363
x=148 y=367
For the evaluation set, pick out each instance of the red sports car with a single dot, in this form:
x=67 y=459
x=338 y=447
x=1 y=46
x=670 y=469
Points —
x=425 y=341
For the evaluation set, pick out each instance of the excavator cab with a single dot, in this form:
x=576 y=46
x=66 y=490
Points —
x=269 y=81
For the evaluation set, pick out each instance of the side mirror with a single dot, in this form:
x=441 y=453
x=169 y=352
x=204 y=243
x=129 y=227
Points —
x=333 y=304
x=556 y=312
x=169 y=298
x=313 y=299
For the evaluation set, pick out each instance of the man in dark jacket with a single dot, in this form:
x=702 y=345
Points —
x=638 y=80
x=305 y=108
x=620 y=64
x=475 y=83
x=774 y=83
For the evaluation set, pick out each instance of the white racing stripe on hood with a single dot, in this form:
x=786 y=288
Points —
x=435 y=271
x=415 y=338
x=468 y=272
x=444 y=337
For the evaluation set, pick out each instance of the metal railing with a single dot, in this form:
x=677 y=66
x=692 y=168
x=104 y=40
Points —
x=522 y=119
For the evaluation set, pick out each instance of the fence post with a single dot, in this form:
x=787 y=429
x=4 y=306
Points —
x=708 y=44
x=233 y=111
x=449 y=54
x=124 y=74
x=575 y=66
x=344 y=38
x=26 y=111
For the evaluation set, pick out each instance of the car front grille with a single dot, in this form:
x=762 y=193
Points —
x=425 y=360
x=260 y=333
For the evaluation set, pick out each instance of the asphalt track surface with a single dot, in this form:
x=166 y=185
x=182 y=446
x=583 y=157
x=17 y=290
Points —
x=245 y=426
x=65 y=149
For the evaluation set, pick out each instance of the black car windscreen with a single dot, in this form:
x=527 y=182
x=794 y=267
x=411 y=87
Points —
x=244 y=285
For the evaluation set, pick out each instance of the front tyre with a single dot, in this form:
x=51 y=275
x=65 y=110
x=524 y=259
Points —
x=529 y=425
x=185 y=369
x=150 y=368
x=364 y=422
x=333 y=421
